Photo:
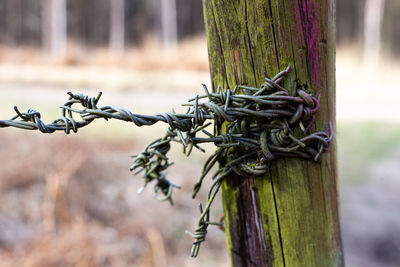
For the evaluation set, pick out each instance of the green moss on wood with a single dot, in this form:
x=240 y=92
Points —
x=297 y=200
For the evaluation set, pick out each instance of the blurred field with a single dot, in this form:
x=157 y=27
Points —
x=143 y=68
x=71 y=200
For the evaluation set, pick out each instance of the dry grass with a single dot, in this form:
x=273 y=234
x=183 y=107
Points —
x=141 y=67
x=71 y=201
x=189 y=55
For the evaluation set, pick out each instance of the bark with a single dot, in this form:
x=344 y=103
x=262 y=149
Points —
x=290 y=216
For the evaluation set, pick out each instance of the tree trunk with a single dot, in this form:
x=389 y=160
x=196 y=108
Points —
x=390 y=29
x=54 y=27
x=289 y=217
x=372 y=31
x=13 y=22
x=117 y=26
x=169 y=26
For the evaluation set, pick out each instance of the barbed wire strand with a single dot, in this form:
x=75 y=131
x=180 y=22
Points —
x=261 y=124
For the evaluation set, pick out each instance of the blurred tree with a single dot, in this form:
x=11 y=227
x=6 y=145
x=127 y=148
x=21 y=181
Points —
x=20 y=22
x=141 y=20
x=13 y=22
x=169 y=27
x=88 y=21
x=54 y=23
x=349 y=24
x=390 y=27
x=372 y=31
x=117 y=26
x=190 y=18
x=31 y=23
x=2 y=22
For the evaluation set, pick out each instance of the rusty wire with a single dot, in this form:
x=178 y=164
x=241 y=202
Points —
x=261 y=125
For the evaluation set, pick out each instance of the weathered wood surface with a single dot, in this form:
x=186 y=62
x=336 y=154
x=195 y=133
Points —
x=290 y=216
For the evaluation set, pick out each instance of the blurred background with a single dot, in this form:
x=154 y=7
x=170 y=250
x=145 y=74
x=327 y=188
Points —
x=71 y=200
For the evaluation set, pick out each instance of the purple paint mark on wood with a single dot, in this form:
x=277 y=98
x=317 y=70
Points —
x=307 y=16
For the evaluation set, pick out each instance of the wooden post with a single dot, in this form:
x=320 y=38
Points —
x=289 y=217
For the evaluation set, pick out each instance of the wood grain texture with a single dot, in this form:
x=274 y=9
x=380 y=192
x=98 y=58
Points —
x=289 y=217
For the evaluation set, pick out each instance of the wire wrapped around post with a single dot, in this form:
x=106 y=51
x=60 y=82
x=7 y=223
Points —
x=262 y=124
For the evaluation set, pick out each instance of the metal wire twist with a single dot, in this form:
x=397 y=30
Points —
x=261 y=124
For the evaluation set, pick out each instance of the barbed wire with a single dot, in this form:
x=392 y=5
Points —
x=261 y=125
